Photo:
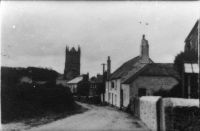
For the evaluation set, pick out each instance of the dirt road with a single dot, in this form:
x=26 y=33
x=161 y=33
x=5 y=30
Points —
x=96 y=118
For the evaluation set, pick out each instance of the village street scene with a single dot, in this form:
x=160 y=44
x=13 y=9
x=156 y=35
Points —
x=92 y=66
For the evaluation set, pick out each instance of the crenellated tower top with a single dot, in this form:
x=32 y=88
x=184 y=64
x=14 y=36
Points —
x=72 y=62
x=73 y=50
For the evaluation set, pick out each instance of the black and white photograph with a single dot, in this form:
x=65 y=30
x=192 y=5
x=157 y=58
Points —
x=105 y=65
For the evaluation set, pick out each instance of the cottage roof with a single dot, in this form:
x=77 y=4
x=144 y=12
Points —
x=75 y=80
x=129 y=68
x=156 y=69
x=160 y=69
x=98 y=79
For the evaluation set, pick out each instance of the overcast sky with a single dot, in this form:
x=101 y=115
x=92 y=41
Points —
x=36 y=33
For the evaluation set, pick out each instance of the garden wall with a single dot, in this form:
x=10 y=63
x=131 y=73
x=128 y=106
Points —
x=148 y=111
x=169 y=114
x=178 y=113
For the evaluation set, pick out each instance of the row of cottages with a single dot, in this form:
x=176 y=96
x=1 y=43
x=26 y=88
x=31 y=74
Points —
x=137 y=77
x=191 y=68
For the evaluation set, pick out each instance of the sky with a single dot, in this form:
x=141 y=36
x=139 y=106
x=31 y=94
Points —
x=36 y=33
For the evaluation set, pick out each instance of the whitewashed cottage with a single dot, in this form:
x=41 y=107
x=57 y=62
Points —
x=139 y=77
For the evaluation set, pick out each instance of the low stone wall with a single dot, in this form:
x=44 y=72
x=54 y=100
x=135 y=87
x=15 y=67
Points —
x=169 y=115
x=148 y=111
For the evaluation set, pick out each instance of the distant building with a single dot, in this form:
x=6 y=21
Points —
x=72 y=63
x=96 y=85
x=139 y=77
x=80 y=85
x=191 y=41
x=191 y=68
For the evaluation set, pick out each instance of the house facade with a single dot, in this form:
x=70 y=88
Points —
x=191 y=68
x=96 y=85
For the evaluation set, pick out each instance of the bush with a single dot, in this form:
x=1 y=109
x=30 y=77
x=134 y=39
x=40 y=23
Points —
x=23 y=100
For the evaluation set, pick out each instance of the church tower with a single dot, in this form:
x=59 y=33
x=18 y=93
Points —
x=144 y=50
x=72 y=63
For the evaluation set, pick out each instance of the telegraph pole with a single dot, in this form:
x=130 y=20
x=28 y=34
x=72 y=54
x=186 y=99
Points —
x=103 y=64
x=198 y=40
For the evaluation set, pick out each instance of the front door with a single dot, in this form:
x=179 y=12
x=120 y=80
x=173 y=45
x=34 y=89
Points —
x=112 y=98
x=121 y=98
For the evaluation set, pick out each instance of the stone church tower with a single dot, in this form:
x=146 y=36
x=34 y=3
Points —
x=72 y=63
x=144 y=50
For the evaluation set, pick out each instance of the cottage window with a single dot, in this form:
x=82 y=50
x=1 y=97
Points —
x=142 y=92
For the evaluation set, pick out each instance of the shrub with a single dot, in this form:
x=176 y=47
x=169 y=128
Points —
x=27 y=100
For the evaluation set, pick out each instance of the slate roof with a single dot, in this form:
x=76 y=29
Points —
x=155 y=69
x=129 y=69
x=75 y=80
x=160 y=69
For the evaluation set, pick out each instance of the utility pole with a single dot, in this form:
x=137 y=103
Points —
x=198 y=40
x=103 y=64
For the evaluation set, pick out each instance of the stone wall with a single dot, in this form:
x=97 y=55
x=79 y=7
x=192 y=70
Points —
x=173 y=102
x=160 y=114
x=148 y=111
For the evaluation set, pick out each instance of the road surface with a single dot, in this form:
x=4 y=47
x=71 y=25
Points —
x=96 y=118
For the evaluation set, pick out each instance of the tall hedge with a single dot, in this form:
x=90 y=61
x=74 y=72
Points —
x=23 y=100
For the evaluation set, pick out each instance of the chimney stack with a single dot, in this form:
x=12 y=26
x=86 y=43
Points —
x=144 y=50
x=108 y=68
x=103 y=67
